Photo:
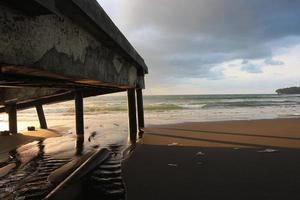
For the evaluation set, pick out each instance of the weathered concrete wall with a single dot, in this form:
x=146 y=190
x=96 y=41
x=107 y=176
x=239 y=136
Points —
x=59 y=46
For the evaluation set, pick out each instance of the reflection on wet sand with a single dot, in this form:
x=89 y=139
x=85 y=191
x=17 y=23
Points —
x=34 y=169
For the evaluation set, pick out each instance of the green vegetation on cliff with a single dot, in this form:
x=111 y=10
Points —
x=290 y=90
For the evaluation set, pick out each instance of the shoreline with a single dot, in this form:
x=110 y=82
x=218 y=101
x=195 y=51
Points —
x=225 y=120
x=244 y=159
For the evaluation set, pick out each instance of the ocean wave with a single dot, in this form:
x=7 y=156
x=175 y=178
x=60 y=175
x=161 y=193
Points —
x=293 y=115
x=193 y=106
x=251 y=104
x=169 y=103
x=220 y=97
x=174 y=106
x=150 y=107
x=163 y=106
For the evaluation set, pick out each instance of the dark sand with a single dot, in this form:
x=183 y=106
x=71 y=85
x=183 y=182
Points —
x=217 y=160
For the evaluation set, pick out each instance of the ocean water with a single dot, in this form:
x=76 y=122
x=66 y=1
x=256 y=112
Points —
x=106 y=126
x=111 y=111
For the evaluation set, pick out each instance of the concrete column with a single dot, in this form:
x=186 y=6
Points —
x=41 y=115
x=79 y=113
x=140 y=111
x=132 y=115
x=12 y=118
x=79 y=145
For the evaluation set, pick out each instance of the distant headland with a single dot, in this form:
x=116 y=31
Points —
x=289 y=90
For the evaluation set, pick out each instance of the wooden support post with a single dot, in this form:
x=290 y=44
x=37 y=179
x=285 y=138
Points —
x=12 y=118
x=79 y=113
x=132 y=115
x=41 y=115
x=140 y=110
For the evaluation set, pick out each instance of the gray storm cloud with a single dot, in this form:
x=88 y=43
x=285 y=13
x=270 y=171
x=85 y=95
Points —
x=192 y=38
x=270 y=61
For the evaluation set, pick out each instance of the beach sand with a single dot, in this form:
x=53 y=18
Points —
x=12 y=142
x=240 y=160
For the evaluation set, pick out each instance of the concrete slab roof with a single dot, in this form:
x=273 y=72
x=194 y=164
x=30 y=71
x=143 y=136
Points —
x=91 y=16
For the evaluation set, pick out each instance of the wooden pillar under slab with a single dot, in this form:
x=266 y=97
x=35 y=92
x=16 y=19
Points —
x=132 y=115
x=140 y=111
x=41 y=115
x=79 y=113
x=12 y=118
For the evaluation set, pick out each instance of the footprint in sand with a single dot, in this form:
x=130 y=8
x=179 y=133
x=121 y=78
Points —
x=92 y=135
x=200 y=153
x=173 y=144
x=172 y=165
x=267 y=151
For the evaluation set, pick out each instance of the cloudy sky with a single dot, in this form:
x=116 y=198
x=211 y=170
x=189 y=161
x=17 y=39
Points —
x=213 y=46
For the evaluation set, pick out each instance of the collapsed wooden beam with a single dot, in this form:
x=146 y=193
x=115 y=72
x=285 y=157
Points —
x=41 y=116
x=132 y=115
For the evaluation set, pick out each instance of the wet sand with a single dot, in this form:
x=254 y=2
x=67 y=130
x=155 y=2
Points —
x=257 y=159
x=36 y=164
x=11 y=142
